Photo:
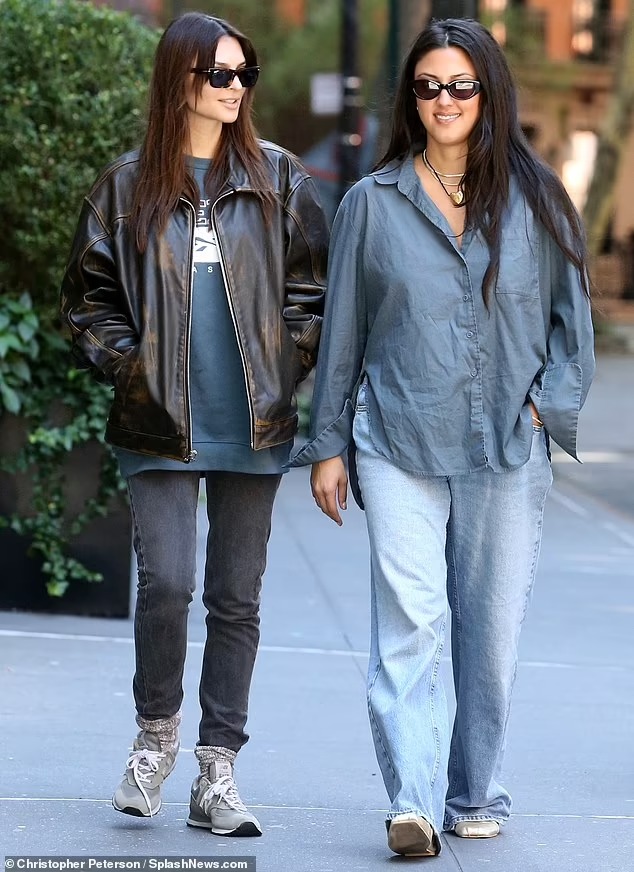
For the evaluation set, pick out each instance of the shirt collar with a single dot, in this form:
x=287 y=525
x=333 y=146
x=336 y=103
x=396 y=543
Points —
x=401 y=172
x=389 y=174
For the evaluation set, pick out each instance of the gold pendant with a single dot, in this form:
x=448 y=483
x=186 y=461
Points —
x=457 y=198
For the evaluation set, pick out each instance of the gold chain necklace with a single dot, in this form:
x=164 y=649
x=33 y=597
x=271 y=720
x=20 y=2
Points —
x=456 y=197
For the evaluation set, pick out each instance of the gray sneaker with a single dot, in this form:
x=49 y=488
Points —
x=215 y=804
x=147 y=768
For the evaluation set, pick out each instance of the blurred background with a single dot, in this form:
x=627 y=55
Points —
x=329 y=68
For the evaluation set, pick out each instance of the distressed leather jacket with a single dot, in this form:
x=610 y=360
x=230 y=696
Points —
x=130 y=313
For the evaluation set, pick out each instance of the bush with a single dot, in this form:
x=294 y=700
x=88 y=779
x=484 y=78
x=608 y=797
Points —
x=72 y=84
x=73 y=81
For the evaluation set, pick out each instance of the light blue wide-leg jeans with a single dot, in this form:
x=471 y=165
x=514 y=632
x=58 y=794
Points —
x=493 y=541
x=474 y=538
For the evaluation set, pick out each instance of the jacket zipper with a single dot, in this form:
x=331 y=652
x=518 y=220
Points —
x=225 y=277
x=190 y=453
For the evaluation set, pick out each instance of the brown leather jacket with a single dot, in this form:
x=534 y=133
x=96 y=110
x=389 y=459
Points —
x=130 y=313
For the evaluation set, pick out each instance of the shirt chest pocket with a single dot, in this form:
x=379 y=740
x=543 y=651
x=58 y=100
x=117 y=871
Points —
x=519 y=265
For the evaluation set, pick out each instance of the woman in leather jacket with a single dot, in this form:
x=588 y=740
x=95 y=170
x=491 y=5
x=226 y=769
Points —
x=195 y=286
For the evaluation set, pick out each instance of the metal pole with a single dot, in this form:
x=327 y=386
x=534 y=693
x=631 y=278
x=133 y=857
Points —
x=350 y=138
x=394 y=53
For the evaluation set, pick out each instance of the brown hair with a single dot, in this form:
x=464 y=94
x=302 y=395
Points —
x=190 y=40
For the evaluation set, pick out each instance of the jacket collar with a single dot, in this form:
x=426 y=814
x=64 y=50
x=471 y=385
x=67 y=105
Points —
x=238 y=179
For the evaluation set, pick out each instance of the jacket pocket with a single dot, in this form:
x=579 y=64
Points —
x=123 y=362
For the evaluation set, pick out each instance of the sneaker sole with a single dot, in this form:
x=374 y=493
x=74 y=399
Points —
x=136 y=812
x=245 y=829
x=409 y=839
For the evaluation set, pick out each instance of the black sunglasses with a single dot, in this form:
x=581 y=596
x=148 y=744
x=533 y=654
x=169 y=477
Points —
x=221 y=77
x=460 y=89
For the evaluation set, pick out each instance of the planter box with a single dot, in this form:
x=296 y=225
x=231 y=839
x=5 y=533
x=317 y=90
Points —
x=103 y=546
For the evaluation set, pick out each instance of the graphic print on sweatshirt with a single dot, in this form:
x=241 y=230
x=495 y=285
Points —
x=205 y=248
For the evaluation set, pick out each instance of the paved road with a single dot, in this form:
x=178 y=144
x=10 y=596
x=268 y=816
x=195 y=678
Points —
x=309 y=770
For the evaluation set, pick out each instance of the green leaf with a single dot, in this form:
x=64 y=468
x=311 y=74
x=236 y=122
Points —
x=10 y=399
x=8 y=341
x=26 y=331
x=56 y=588
x=21 y=369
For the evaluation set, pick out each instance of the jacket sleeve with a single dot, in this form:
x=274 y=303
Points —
x=91 y=298
x=342 y=346
x=306 y=234
x=561 y=387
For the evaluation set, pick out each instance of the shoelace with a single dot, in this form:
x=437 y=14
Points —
x=143 y=764
x=225 y=789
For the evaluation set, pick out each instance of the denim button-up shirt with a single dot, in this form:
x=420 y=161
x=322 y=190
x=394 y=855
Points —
x=449 y=380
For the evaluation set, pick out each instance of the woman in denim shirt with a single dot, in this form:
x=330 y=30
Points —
x=457 y=340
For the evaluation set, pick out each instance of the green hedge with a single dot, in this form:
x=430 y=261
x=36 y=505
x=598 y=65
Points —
x=73 y=82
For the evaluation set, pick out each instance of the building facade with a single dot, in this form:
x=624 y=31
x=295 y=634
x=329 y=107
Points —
x=565 y=56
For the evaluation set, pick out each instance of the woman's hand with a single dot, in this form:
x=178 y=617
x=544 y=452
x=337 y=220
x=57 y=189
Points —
x=329 y=484
x=537 y=422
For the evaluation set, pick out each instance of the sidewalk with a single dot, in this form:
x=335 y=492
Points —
x=309 y=770
x=606 y=437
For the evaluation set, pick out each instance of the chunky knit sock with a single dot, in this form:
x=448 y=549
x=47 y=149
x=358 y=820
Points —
x=165 y=728
x=206 y=754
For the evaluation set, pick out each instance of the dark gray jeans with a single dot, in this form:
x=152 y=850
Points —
x=239 y=508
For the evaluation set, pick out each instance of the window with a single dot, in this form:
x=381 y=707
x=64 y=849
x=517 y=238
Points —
x=590 y=29
x=494 y=10
x=577 y=169
x=496 y=16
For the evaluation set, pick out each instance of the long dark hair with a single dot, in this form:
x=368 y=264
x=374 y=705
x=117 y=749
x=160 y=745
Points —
x=163 y=178
x=497 y=147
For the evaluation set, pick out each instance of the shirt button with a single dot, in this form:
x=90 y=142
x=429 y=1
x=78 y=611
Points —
x=466 y=298
x=474 y=373
x=469 y=334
